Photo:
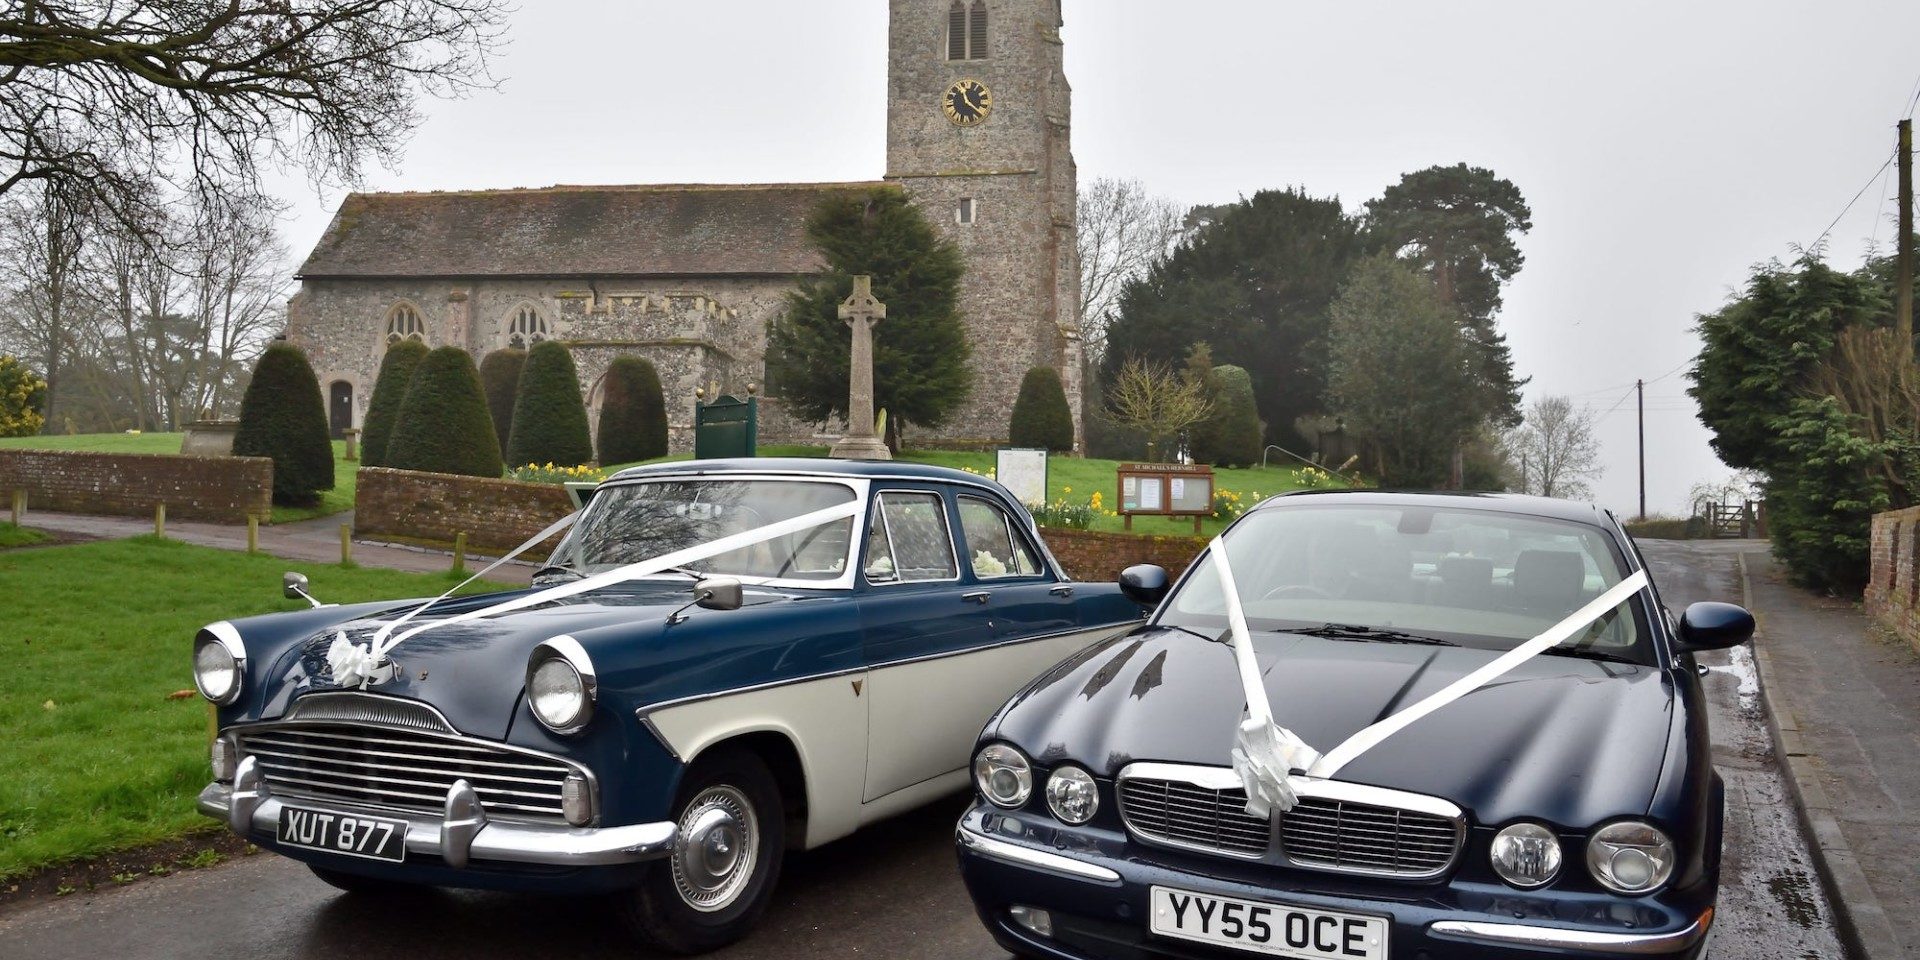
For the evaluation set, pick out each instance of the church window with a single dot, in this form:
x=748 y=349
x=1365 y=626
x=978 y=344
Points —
x=963 y=212
x=404 y=323
x=967 y=30
x=526 y=328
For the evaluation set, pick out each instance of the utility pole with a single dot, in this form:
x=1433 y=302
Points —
x=1903 y=244
x=1640 y=402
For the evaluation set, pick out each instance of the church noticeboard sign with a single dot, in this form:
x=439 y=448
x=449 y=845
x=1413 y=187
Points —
x=1023 y=472
x=1165 y=490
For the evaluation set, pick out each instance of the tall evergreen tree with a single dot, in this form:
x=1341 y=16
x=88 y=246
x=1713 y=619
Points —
x=389 y=389
x=1231 y=437
x=920 y=351
x=1041 y=416
x=500 y=375
x=283 y=417
x=633 y=413
x=549 y=418
x=443 y=426
x=1254 y=280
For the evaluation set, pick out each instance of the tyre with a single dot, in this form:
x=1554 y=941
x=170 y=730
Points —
x=365 y=886
x=718 y=880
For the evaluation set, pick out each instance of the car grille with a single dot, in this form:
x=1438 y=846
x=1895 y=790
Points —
x=403 y=769
x=1199 y=811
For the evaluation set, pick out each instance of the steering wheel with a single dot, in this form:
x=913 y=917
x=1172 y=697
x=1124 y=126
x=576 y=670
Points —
x=1297 y=591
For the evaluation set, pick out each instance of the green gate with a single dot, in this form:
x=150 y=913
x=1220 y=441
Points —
x=727 y=427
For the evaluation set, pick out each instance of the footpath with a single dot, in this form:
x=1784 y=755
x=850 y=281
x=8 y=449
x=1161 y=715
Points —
x=311 y=541
x=1844 y=699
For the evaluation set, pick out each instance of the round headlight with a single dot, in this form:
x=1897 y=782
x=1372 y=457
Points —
x=216 y=670
x=558 y=695
x=1072 y=796
x=1003 y=776
x=1630 y=857
x=1526 y=855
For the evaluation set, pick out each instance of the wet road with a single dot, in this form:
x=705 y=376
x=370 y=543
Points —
x=891 y=891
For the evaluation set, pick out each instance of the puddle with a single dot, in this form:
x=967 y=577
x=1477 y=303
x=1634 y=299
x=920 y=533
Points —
x=1739 y=665
x=1796 y=899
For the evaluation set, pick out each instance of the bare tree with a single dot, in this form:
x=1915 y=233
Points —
x=43 y=235
x=1123 y=231
x=1156 y=399
x=1556 y=450
x=105 y=97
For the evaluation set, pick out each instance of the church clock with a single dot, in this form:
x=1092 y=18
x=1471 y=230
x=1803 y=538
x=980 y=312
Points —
x=967 y=102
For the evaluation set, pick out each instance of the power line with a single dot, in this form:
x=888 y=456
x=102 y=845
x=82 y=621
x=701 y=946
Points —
x=1623 y=399
x=1856 y=199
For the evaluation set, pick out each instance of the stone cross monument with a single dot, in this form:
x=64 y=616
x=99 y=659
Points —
x=861 y=311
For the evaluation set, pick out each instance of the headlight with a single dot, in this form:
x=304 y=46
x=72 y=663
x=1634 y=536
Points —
x=1003 y=776
x=217 y=661
x=221 y=757
x=1526 y=855
x=560 y=685
x=1630 y=857
x=1072 y=796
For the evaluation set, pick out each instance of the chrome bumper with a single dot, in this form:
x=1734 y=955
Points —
x=461 y=834
x=1561 y=938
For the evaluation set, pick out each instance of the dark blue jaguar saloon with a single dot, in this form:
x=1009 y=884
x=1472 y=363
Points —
x=722 y=660
x=1567 y=807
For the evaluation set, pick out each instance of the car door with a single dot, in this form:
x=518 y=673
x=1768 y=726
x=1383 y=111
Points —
x=917 y=615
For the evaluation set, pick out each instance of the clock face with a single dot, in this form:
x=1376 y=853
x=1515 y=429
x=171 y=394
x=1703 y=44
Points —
x=967 y=102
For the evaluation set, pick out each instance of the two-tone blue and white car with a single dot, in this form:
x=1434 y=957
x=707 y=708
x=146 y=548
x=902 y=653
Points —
x=669 y=737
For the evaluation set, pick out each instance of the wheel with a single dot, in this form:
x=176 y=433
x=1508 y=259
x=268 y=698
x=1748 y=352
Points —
x=719 y=878
x=363 y=886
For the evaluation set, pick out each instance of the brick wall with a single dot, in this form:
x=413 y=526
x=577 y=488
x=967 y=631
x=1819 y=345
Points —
x=1893 y=591
x=1090 y=555
x=214 y=489
x=494 y=514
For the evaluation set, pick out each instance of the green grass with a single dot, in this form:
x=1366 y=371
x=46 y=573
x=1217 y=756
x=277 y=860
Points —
x=97 y=636
x=1076 y=479
x=12 y=536
x=337 y=500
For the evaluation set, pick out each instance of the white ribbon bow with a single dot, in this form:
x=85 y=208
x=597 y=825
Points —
x=353 y=665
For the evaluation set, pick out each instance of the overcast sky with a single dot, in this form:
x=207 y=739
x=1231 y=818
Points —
x=1664 y=147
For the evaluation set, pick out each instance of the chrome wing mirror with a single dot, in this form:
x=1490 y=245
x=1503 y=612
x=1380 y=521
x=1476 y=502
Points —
x=293 y=586
x=712 y=593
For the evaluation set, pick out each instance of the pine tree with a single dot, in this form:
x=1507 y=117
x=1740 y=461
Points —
x=1232 y=436
x=920 y=352
x=1041 y=416
x=549 y=419
x=284 y=418
x=633 y=413
x=443 y=426
x=500 y=376
x=389 y=389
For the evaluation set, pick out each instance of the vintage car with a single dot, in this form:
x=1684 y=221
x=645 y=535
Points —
x=665 y=737
x=1568 y=808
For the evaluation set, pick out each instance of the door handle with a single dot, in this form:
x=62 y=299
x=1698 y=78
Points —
x=978 y=596
x=1062 y=590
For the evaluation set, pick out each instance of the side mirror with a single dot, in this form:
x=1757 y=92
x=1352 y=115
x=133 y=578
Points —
x=1145 y=584
x=293 y=586
x=1715 y=626
x=717 y=593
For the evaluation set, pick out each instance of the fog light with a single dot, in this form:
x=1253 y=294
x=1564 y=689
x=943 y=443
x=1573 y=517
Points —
x=1033 y=918
x=576 y=800
x=220 y=756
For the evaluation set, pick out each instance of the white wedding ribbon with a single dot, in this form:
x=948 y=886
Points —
x=1265 y=754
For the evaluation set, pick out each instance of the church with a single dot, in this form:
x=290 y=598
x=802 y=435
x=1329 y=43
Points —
x=691 y=277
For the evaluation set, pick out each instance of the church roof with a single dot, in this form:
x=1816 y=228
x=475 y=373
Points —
x=680 y=229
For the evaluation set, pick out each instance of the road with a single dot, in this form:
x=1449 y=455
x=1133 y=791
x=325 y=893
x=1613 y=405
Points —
x=888 y=892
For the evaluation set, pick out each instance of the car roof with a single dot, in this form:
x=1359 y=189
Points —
x=805 y=465
x=1548 y=507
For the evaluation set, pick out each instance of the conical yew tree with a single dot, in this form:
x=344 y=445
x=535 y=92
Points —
x=283 y=417
x=389 y=388
x=633 y=413
x=549 y=418
x=443 y=425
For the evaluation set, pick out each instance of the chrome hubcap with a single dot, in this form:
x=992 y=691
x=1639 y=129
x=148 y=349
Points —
x=718 y=845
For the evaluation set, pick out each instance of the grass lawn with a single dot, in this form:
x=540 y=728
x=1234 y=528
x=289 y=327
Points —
x=1075 y=480
x=12 y=536
x=337 y=500
x=96 y=637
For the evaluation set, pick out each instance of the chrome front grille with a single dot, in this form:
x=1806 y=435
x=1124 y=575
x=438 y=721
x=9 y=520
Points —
x=1336 y=826
x=403 y=769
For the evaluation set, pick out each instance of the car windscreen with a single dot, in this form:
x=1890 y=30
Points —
x=633 y=522
x=1477 y=577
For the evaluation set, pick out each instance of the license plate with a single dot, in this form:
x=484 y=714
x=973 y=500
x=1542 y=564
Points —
x=375 y=838
x=1268 y=928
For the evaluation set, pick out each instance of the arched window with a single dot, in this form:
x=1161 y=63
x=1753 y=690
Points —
x=404 y=323
x=526 y=328
x=967 y=30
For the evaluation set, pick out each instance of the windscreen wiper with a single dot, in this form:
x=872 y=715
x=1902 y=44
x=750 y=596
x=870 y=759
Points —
x=1588 y=653
x=1348 y=631
x=556 y=568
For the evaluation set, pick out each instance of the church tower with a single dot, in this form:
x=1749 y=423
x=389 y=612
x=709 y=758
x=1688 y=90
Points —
x=978 y=113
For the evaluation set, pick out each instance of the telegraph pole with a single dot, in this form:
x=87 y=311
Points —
x=1640 y=403
x=1903 y=244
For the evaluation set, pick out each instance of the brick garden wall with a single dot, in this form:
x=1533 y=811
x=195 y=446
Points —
x=1090 y=555
x=214 y=489
x=434 y=507
x=1893 y=591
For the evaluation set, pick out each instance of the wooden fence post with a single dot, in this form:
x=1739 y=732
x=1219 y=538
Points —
x=253 y=534
x=19 y=506
x=346 y=544
x=460 y=552
x=160 y=520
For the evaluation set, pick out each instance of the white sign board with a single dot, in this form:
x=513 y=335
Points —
x=1024 y=472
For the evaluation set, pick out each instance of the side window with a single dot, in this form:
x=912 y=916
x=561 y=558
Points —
x=908 y=539
x=995 y=547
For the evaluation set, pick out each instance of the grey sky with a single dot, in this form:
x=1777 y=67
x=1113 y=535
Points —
x=1664 y=147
